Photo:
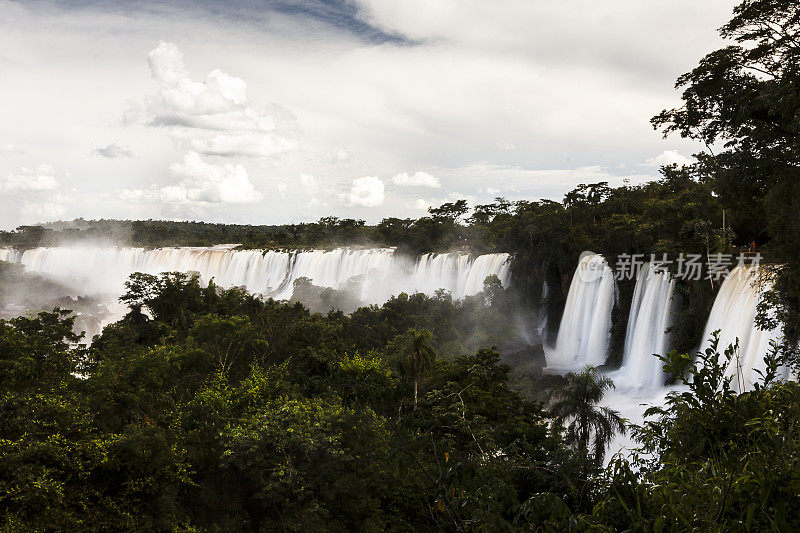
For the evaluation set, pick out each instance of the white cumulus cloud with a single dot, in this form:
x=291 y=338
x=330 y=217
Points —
x=455 y=196
x=212 y=117
x=42 y=178
x=309 y=184
x=338 y=156
x=506 y=146
x=166 y=63
x=366 y=192
x=420 y=179
x=311 y=188
x=668 y=157
x=43 y=211
x=200 y=183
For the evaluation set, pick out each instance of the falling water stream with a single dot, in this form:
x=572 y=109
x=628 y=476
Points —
x=585 y=332
x=734 y=316
x=583 y=337
x=651 y=314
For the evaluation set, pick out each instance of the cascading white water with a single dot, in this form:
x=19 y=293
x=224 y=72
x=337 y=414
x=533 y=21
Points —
x=9 y=255
x=733 y=314
x=439 y=271
x=273 y=273
x=330 y=269
x=585 y=331
x=482 y=267
x=92 y=270
x=650 y=316
x=456 y=273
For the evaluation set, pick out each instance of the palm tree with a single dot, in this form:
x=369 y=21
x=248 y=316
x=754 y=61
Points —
x=416 y=356
x=575 y=402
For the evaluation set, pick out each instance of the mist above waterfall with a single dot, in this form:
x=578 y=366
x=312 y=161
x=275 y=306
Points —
x=24 y=293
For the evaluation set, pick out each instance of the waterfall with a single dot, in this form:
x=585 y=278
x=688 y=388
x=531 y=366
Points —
x=456 y=273
x=333 y=268
x=482 y=267
x=541 y=327
x=734 y=314
x=91 y=269
x=651 y=313
x=585 y=331
x=9 y=255
x=102 y=271
x=438 y=271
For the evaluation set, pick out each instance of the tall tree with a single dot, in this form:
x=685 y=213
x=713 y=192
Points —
x=416 y=356
x=743 y=102
x=576 y=404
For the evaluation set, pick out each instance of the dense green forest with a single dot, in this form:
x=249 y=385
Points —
x=224 y=412
x=214 y=410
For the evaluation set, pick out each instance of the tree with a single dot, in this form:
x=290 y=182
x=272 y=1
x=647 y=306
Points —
x=232 y=342
x=493 y=290
x=734 y=452
x=173 y=298
x=416 y=356
x=35 y=351
x=451 y=211
x=576 y=402
x=745 y=98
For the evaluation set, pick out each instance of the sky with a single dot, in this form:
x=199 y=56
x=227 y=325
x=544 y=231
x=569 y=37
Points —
x=278 y=111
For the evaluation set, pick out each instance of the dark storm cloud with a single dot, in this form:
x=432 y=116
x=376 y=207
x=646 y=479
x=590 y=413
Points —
x=340 y=14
